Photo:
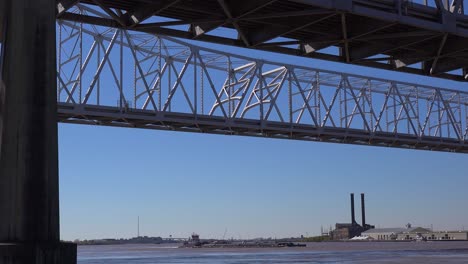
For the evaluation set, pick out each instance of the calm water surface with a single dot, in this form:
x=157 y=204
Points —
x=338 y=252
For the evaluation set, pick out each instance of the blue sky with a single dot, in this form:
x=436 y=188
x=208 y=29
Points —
x=179 y=183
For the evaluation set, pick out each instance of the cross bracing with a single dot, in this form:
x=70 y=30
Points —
x=427 y=37
x=117 y=77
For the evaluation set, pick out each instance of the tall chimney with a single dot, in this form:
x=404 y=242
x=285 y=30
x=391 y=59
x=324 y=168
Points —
x=353 y=219
x=363 y=209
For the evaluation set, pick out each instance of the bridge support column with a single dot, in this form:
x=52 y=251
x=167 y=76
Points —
x=29 y=190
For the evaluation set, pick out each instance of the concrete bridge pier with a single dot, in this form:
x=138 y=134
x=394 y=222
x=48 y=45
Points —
x=29 y=189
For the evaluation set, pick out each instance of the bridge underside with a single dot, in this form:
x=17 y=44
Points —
x=113 y=116
x=428 y=37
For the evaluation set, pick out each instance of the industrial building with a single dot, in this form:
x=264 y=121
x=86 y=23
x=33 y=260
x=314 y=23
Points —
x=435 y=235
x=413 y=233
x=353 y=229
x=398 y=233
x=366 y=231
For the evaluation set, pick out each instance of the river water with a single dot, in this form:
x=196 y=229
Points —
x=327 y=252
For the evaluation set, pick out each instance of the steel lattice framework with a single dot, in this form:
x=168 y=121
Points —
x=428 y=37
x=116 y=77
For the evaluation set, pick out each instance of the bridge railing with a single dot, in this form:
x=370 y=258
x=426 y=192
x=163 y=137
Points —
x=122 y=72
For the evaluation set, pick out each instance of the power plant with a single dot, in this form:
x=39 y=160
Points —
x=353 y=229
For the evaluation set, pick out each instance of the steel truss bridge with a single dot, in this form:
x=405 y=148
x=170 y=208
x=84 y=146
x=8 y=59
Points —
x=116 y=77
x=126 y=63
x=428 y=37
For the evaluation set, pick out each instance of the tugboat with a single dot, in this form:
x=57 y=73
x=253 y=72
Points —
x=193 y=242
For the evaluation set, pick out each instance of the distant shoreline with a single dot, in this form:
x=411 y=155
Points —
x=123 y=241
x=106 y=242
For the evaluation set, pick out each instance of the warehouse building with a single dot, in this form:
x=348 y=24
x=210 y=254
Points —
x=394 y=233
x=413 y=233
x=435 y=235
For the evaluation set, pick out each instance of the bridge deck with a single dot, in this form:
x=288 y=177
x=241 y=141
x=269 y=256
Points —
x=423 y=37
x=116 y=117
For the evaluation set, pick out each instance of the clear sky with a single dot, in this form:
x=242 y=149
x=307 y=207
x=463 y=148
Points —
x=179 y=183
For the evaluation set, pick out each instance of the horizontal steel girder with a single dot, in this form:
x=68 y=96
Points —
x=116 y=77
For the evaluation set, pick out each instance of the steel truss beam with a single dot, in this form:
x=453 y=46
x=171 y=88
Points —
x=115 y=77
x=420 y=36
